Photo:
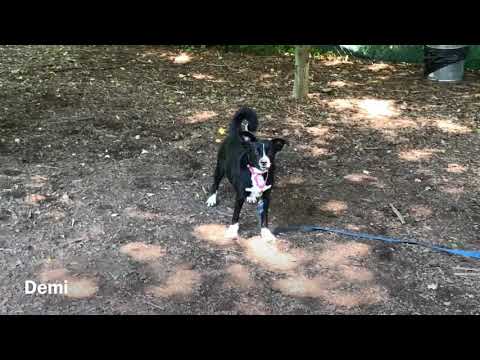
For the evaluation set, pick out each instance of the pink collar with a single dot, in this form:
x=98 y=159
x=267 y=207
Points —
x=257 y=178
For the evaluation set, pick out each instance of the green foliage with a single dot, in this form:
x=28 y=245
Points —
x=393 y=53
x=473 y=58
x=260 y=49
x=388 y=53
x=405 y=53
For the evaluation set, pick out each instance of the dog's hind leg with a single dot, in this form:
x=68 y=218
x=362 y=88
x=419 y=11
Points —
x=217 y=178
x=232 y=230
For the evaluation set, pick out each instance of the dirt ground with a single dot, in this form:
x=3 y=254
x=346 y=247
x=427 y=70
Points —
x=106 y=153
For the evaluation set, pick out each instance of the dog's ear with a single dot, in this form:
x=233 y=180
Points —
x=247 y=137
x=278 y=144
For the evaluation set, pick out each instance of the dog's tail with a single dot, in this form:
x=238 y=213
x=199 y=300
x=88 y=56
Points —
x=244 y=113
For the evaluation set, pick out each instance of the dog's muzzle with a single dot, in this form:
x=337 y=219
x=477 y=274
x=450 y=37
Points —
x=264 y=165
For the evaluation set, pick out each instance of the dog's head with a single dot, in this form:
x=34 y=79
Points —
x=261 y=153
x=248 y=141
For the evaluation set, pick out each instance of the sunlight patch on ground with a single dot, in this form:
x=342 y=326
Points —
x=183 y=282
x=142 y=252
x=37 y=181
x=51 y=275
x=321 y=141
x=270 y=255
x=239 y=276
x=140 y=214
x=301 y=286
x=314 y=151
x=199 y=76
x=266 y=84
x=343 y=282
x=161 y=53
x=420 y=212
x=266 y=76
x=337 y=84
x=378 y=108
x=81 y=288
x=366 y=107
x=456 y=168
x=200 y=117
x=290 y=180
x=77 y=287
x=449 y=126
x=335 y=206
x=319 y=130
x=213 y=233
x=181 y=59
x=329 y=290
x=318 y=151
x=380 y=67
x=376 y=114
x=343 y=253
x=355 y=273
x=342 y=104
x=418 y=154
x=452 y=190
x=392 y=124
x=353 y=227
x=336 y=61
x=361 y=178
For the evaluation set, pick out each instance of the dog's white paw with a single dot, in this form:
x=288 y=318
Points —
x=267 y=235
x=252 y=199
x=212 y=200
x=232 y=232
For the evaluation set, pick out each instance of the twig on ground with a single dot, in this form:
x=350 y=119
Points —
x=466 y=269
x=153 y=304
x=223 y=213
x=467 y=274
x=47 y=166
x=400 y=217
x=220 y=65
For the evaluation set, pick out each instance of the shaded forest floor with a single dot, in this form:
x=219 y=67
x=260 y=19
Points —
x=106 y=154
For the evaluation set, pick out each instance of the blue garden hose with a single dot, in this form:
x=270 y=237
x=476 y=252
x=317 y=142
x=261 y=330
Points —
x=311 y=228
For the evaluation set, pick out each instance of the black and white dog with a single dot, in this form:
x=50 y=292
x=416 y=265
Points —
x=249 y=164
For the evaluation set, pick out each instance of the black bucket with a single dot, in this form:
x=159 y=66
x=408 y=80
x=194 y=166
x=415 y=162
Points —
x=445 y=63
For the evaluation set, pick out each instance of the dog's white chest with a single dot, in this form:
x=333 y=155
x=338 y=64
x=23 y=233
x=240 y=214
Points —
x=259 y=185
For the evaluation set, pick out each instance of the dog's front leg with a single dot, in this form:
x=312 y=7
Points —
x=254 y=194
x=232 y=230
x=264 y=231
x=217 y=177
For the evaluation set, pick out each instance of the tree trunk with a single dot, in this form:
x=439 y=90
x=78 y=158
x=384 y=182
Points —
x=302 y=62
